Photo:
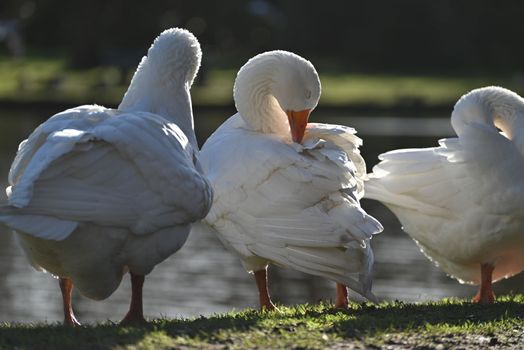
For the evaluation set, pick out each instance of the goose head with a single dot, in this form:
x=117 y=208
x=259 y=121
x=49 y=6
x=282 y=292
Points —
x=163 y=79
x=275 y=92
x=174 y=57
x=168 y=70
x=493 y=106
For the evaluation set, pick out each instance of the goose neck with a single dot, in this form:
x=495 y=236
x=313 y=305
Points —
x=256 y=102
x=172 y=102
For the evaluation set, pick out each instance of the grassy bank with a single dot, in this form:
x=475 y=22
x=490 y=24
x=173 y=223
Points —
x=43 y=78
x=439 y=325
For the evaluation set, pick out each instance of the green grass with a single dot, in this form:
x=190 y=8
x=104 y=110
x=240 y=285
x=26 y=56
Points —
x=43 y=78
x=448 y=323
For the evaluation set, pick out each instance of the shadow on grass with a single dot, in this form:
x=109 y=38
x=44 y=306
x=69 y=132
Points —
x=56 y=336
x=110 y=335
x=206 y=326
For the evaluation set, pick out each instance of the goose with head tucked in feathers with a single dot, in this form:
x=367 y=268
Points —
x=287 y=192
x=462 y=202
x=95 y=192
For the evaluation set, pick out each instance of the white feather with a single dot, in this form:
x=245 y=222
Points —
x=462 y=202
x=279 y=203
x=96 y=191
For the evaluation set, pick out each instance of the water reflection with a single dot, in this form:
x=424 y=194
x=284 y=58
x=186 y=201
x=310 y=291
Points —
x=203 y=278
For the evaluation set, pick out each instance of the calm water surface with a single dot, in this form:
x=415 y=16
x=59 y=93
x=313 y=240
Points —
x=203 y=278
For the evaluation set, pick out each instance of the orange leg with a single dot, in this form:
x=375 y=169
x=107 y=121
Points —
x=263 y=292
x=66 y=286
x=135 y=315
x=485 y=294
x=341 y=301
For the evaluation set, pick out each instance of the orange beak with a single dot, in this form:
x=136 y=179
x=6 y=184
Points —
x=297 y=123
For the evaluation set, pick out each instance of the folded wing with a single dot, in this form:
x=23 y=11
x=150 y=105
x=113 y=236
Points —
x=90 y=164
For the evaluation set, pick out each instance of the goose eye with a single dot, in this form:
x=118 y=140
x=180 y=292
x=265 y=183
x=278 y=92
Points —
x=308 y=94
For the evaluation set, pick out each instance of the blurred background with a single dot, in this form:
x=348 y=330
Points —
x=391 y=69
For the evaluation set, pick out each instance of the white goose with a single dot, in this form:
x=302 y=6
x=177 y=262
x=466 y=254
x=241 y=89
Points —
x=96 y=192
x=282 y=202
x=463 y=202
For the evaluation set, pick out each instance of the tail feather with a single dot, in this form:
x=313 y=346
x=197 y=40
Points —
x=377 y=191
x=40 y=226
x=351 y=267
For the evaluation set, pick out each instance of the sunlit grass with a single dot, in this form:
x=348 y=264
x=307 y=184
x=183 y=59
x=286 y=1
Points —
x=451 y=322
x=35 y=79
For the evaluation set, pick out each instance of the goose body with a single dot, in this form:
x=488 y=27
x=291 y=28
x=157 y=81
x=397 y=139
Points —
x=293 y=204
x=96 y=192
x=463 y=201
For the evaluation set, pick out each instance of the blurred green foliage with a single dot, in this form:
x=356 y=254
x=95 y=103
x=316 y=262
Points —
x=381 y=53
x=468 y=36
x=43 y=78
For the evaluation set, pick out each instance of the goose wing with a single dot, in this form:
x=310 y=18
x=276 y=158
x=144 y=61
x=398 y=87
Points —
x=91 y=164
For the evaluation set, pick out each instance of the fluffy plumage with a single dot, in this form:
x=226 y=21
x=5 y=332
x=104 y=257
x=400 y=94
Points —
x=95 y=192
x=462 y=201
x=276 y=201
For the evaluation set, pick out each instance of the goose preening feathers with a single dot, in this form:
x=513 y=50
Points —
x=95 y=192
x=463 y=201
x=287 y=192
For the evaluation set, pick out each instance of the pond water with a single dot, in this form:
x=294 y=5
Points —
x=203 y=278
